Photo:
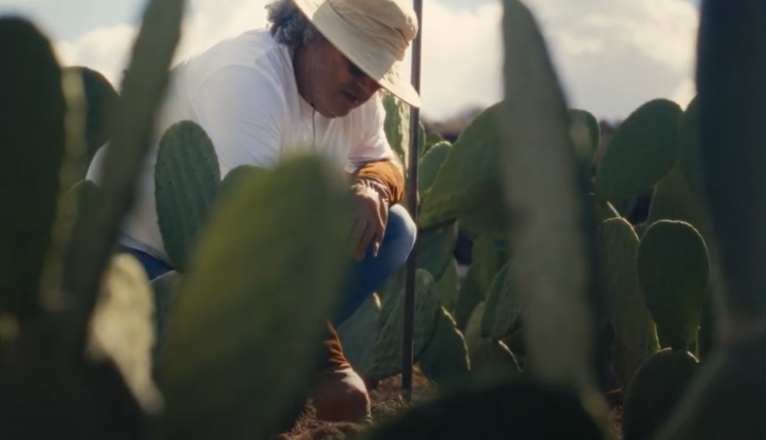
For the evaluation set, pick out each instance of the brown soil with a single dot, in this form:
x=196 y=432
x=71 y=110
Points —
x=386 y=399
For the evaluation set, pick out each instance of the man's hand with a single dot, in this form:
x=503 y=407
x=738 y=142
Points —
x=370 y=217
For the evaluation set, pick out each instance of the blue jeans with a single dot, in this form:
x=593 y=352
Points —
x=367 y=276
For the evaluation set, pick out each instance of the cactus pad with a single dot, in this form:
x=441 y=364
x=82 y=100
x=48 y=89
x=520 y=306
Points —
x=397 y=126
x=32 y=137
x=641 y=152
x=358 y=334
x=485 y=215
x=165 y=288
x=447 y=285
x=674 y=199
x=586 y=119
x=469 y=295
x=487 y=355
x=470 y=170
x=636 y=335
x=605 y=210
x=430 y=164
x=122 y=328
x=101 y=100
x=504 y=306
x=255 y=326
x=235 y=176
x=386 y=358
x=530 y=410
x=674 y=271
x=445 y=359
x=143 y=88
x=435 y=249
x=187 y=178
x=689 y=147
x=655 y=392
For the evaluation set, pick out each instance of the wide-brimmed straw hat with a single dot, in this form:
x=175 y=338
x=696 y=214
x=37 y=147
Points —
x=373 y=34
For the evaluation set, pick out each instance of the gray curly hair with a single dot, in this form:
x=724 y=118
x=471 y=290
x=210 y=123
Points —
x=289 y=26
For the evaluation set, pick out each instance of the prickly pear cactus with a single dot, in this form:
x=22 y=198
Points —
x=235 y=176
x=586 y=119
x=358 y=334
x=689 y=148
x=674 y=271
x=641 y=152
x=247 y=366
x=531 y=410
x=165 y=289
x=430 y=164
x=143 y=87
x=100 y=102
x=485 y=215
x=545 y=185
x=469 y=295
x=504 y=306
x=447 y=285
x=636 y=335
x=656 y=389
x=33 y=146
x=386 y=358
x=445 y=359
x=487 y=355
x=488 y=257
x=674 y=199
x=605 y=210
x=187 y=178
x=435 y=248
x=75 y=205
x=432 y=138
x=122 y=328
x=397 y=126
x=470 y=170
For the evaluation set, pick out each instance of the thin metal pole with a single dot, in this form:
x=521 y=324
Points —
x=412 y=192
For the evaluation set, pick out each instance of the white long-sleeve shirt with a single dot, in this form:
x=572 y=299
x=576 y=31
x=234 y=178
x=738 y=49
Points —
x=243 y=92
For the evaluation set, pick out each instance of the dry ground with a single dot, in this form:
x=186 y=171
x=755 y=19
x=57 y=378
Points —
x=386 y=401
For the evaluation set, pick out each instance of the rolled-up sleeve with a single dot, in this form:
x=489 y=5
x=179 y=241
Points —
x=242 y=110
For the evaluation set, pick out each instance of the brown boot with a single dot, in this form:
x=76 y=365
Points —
x=339 y=393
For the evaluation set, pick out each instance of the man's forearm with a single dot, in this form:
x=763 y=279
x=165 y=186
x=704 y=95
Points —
x=388 y=175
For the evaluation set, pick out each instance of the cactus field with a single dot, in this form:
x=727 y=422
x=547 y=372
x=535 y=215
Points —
x=580 y=316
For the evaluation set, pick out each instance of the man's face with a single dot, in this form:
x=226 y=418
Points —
x=338 y=85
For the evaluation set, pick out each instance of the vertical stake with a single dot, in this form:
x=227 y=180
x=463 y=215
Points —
x=412 y=193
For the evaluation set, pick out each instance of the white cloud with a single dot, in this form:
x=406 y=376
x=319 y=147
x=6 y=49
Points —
x=613 y=55
x=104 y=49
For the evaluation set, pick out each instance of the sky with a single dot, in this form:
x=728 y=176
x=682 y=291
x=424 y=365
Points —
x=611 y=55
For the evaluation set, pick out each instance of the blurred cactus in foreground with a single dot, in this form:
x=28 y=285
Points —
x=569 y=292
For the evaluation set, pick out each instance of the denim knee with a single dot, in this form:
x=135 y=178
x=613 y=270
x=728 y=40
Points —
x=401 y=233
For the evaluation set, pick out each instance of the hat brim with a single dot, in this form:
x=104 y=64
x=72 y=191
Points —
x=356 y=46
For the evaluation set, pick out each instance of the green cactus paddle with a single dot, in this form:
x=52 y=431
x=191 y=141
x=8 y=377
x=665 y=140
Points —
x=256 y=327
x=674 y=271
x=33 y=146
x=641 y=152
x=636 y=335
x=187 y=179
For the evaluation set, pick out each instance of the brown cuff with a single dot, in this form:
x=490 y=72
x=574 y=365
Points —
x=389 y=174
x=332 y=353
